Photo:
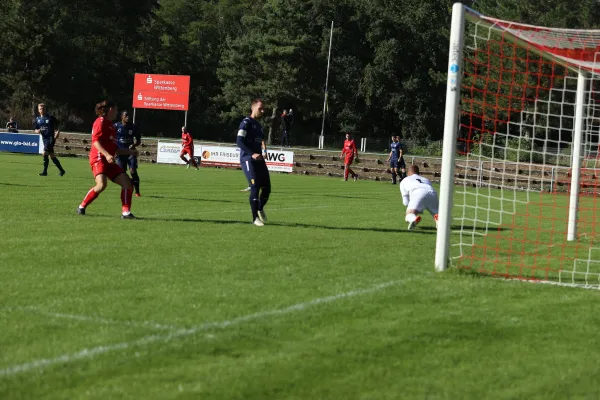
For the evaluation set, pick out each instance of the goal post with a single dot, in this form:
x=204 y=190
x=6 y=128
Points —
x=520 y=178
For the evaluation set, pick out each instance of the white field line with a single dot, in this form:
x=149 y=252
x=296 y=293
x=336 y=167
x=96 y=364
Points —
x=106 y=321
x=245 y=210
x=95 y=351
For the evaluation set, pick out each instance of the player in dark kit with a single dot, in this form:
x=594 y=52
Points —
x=394 y=157
x=401 y=162
x=47 y=126
x=250 y=141
x=102 y=160
x=128 y=137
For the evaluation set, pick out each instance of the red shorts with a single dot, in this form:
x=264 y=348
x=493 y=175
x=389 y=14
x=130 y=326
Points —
x=348 y=160
x=103 y=167
x=187 y=150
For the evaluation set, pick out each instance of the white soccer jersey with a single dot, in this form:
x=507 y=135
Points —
x=418 y=194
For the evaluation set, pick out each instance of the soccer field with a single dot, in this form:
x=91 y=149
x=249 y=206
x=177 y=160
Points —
x=333 y=299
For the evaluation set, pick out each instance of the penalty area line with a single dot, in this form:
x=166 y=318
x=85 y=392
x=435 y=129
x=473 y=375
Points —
x=95 y=319
x=166 y=337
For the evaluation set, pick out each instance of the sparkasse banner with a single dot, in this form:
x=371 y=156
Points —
x=162 y=92
x=223 y=156
x=21 y=143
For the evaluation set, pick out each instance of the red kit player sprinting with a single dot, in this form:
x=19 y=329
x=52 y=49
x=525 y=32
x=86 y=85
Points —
x=188 y=148
x=349 y=152
x=102 y=160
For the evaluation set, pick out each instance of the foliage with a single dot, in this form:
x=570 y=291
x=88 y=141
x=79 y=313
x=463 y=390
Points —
x=387 y=73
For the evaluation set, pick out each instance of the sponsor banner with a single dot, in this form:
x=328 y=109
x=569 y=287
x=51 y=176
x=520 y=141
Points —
x=162 y=92
x=168 y=153
x=282 y=161
x=217 y=156
x=223 y=156
x=21 y=143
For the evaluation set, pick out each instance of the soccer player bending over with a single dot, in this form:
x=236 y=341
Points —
x=102 y=160
x=418 y=195
x=128 y=137
x=187 y=143
x=250 y=140
x=349 y=151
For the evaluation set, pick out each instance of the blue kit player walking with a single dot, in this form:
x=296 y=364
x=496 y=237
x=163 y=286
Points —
x=128 y=137
x=250 y=140
x=47 y=126
x=394 y=158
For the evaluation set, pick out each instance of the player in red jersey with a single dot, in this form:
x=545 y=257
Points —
x=349 y=151
x=188 y=148
x=102 y=159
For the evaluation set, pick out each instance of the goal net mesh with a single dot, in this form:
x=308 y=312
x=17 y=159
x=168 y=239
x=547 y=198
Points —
x=513 y=177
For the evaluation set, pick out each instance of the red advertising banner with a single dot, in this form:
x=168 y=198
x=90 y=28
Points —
x=162 y=92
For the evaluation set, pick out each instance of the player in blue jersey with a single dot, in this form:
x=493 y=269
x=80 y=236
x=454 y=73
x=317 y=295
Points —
x=47 y=126
x=394 y=157
x=250 y=140
x=128 y=137
x=401 y=162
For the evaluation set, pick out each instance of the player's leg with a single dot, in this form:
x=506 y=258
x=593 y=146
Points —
x=248 y=166
x=432 y=205
x=56 y=161
x=414 y=208
x=135 y=178
x=119 y=177
x=100 y=180
x=394 y=170
x=264 y=182
x=348 y=169
x=182 y=156
x=192 y=159
x=46 y=156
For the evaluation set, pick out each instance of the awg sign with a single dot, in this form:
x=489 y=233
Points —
x=161 y=92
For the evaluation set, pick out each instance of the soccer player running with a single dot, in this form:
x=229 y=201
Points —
x=394 y=157
x=250 y=140
x=349 y=152
x=47 y=126
x=128 y=137
x=418 y=195
x=188 y=148
x=102 y=160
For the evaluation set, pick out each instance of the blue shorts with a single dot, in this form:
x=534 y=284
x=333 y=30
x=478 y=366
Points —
x=256 y=172
x=394 y=163
x=125 y=161
x=49 y=144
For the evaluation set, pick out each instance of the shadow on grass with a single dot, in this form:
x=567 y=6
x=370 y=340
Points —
x=17 y=184
x=188 y=199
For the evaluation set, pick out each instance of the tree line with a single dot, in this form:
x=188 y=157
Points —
x=387 y=76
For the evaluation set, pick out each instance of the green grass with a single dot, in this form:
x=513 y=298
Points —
x=194 y=302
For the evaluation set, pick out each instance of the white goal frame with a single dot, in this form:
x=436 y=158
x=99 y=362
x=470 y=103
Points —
x=451 y=127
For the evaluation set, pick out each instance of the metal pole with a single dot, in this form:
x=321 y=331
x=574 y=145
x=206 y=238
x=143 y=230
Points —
x=185 y=119
x=442 y=246
x=327 y=81
x=134 y=115
x=576 y=160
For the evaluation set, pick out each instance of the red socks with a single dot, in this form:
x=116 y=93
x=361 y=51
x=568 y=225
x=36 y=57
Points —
x=89 y=197
x=126 y=195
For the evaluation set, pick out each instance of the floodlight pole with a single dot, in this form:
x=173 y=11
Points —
x=322 y=137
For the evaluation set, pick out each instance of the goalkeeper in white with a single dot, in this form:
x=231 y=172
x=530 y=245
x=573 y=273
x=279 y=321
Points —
x=418 y=195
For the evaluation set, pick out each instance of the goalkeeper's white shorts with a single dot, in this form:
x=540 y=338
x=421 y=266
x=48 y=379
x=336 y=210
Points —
x=422 y=200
